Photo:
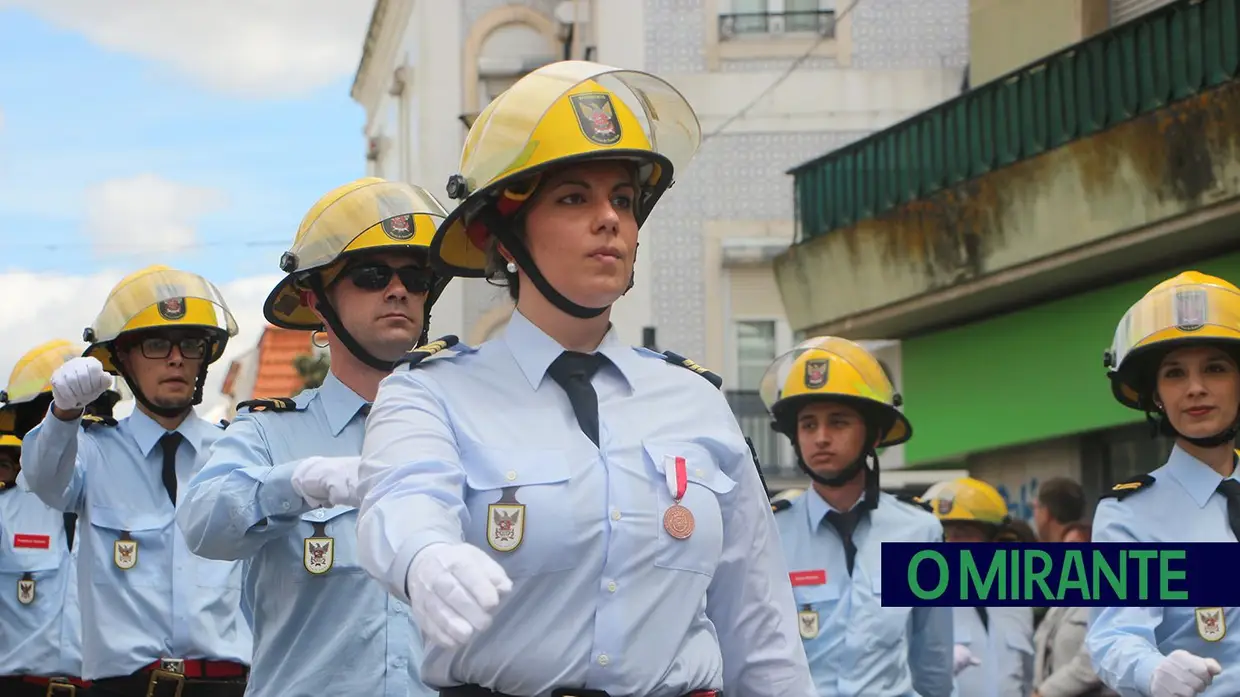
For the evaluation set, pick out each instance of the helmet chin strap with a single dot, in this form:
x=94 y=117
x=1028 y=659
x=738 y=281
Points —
x=332 y=319
x=1161 y=424
x=166 y=412
x=846 y=475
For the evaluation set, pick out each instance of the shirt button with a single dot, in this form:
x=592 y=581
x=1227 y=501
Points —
x=287 y=505
x=699 y=473
x=603 y=659
x=511 y=476
x=611 y=587
x=615 y=514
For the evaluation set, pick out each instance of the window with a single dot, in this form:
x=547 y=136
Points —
x=747 y=17
x=755 y=350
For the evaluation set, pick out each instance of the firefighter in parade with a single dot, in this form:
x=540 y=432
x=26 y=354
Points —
x=994 y=656
x=567 y=513
x=279 y=489
x=154 y=616
x=836 y=405
x=1175 y=357
x=40 y=621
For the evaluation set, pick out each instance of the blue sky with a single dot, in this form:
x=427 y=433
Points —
x=130 y=122
x=76 y=115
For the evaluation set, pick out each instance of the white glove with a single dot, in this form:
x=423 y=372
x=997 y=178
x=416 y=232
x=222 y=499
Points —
x=962 y=658
x=78 y=382
x=453 y=591
x=325 y=482
x=1182 y=674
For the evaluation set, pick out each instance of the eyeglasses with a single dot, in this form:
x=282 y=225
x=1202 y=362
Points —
x=376 y=277
x=157 y=347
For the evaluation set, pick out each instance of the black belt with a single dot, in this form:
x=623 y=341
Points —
x=478 y=691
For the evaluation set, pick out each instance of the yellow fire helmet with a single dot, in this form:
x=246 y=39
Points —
x=20 y=406
x=563 y=113
x=365 y=215
x=10 y=441
x=831 y=369
x=155 y=298
x=1190 y=308
x=966 y=500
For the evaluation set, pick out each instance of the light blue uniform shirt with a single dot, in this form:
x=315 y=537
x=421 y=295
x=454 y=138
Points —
x=464 y=447
x=1127 y=643
x=855 y=645
x=333 y=631
x=1003 y=647
x=168 y=603
x=40 y=629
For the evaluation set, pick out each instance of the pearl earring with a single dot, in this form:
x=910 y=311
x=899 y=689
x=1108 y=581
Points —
x=512 y=267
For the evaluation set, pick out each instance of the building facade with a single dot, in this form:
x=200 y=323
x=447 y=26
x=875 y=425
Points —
x=999 y=237
x=771 y=80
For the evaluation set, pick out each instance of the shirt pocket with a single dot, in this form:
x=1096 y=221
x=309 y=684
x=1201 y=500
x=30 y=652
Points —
x=18 y=560
x=816 y=605
x=705 y=483
x=520 y=509
x=887 y=626
x=325 y=544
x=130 y=548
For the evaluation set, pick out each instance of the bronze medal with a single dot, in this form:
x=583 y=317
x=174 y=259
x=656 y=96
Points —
x=678 y=522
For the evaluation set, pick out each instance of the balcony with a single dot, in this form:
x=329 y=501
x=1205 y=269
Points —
x=1103 y=159
x=773 y=450
x=732 y=26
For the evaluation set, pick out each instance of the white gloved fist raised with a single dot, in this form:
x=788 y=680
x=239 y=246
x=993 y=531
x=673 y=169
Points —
x=325 y=482
x=962 y=658
x=1182 y=674
x=454 y=590
x=78 y=382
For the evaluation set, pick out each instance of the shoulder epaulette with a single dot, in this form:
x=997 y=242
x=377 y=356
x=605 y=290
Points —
x=269 y=404
x=915 y=501
x=421 y=353
x=783 y=500
x=91 y=420
x=1125 y=489
x=677 y=359
x=224 y=423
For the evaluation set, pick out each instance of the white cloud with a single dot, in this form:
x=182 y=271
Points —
x=268 y=48
x=146 y=213
x=58 y=306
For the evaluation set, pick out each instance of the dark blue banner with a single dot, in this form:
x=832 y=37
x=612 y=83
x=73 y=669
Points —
x=1070 y=575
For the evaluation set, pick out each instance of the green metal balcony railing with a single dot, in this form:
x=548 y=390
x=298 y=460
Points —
x=1142 y=65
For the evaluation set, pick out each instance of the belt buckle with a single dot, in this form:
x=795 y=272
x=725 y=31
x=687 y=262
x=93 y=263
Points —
x=61 y=686
x=169 y=670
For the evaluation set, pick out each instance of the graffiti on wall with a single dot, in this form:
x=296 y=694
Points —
x=1020 y=503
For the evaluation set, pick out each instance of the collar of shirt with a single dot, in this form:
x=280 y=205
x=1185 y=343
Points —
x=146 y=432
x=534 y=351
x=1198 y=479
x=817 y=507
x=340 y=403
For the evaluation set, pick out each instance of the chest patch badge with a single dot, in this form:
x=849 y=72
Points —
x=26 y=589
x=125 y=552
x=807 y=622
x=318 y=551
x=1211 y=623
x=506 y=522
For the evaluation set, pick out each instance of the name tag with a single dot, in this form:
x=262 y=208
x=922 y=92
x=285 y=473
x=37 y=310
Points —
x=816 y=577
x=23 y=541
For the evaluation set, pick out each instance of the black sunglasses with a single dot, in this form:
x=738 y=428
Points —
x=376 y=277
x=157 y=347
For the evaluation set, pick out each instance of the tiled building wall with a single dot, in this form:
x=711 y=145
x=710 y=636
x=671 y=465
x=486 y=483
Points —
x=741 y=176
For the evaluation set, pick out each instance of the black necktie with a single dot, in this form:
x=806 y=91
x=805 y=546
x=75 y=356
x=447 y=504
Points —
x=573 y=371
x=70 y=528
x=1231 y=489
x=846 y=524
x=169 y=443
